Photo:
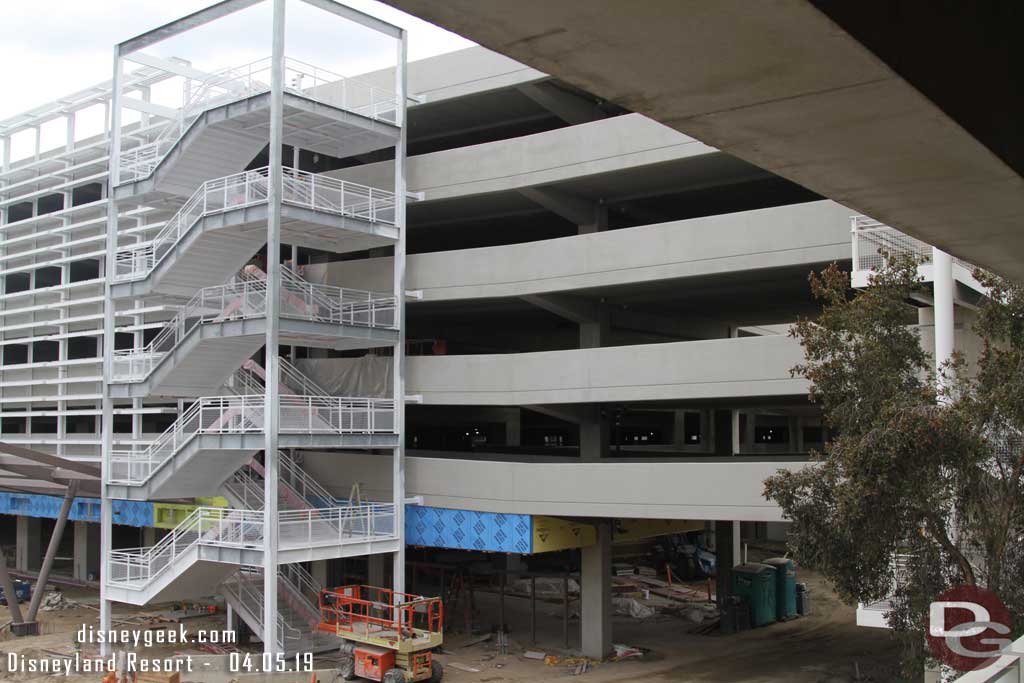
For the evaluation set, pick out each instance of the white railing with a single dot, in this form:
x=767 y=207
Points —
x=250 y=188
x=221 y=527
x=233 y=301
x=246 y=299
x=237 y=83
x=304 y=485
x=246 y=489
x=336 y=415
x=208 y=415
x=875 y=243
x=232 y=528
x=327 y=303
x=244 y=415
x=877 y=613
x=302 y=581
x=247 y=588
x=247 y=486
x=336 y=525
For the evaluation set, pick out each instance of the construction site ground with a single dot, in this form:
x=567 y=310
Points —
x=825 y=647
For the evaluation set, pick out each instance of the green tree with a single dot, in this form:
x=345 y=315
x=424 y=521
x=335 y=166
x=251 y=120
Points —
x=925 y=465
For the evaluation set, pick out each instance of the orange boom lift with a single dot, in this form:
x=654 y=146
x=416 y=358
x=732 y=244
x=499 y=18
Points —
x=387 y=636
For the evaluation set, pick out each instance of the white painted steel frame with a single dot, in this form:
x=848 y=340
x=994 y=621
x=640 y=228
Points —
x=271 y=395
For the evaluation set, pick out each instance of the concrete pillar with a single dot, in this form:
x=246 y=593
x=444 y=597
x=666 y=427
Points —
x=375 y=570
x=86 y=559
x=513 y=426
x=678 y=429
x=148 y=536
x=794 y=434
x=596 y=594
x=736 y=439
x=594 y=334
x=594 y=436
x=318 y=568
x=737 y=544
x=600 y=222
x=28 y=555
x=726 y=558
x=722 y=432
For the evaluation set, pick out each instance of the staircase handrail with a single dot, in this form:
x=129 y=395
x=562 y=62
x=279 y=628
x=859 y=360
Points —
x=232 y=301
x=235 y=83
x=205 y=415
x=203 y=526
x=250 y=188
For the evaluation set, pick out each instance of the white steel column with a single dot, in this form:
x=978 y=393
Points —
x=106 y=505
x=271 y=407
x=398 y=461
x=942 y=266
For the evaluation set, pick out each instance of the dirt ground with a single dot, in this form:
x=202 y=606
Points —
x=825 y=647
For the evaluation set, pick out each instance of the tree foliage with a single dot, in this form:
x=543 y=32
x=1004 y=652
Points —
x=925 y=465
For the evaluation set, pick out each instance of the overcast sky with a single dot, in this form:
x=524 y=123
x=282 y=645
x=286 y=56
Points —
x=53 y=47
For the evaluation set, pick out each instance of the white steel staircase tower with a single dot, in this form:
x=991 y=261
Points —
x=238 y=414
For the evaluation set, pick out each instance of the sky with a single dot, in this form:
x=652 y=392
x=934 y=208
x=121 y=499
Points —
x=53 y=47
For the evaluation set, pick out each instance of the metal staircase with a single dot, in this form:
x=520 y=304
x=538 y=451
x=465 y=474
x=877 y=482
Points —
x=212 y=235
x=297 y=613
x=218 y=434
x=221 y=219
x=223 y=125
x=220 y=327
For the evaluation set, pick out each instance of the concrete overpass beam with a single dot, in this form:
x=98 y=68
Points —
x=571 y=108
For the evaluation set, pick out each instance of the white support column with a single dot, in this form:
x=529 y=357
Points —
x=942 y=266
x=271 y=404
x=107 y=440
x=398 y=460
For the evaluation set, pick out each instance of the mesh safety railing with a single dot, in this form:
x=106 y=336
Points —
x=875 y=243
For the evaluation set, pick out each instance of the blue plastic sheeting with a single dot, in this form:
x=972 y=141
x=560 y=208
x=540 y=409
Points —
x=467 y=530
x=126 y=512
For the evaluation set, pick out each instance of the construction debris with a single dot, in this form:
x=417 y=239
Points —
x=463 y=667
x=55 y=600
x=626 y=652
x=534 y=654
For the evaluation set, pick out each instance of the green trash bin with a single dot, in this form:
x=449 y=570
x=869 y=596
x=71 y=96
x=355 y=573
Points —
x=785 y=587
x=755 y=584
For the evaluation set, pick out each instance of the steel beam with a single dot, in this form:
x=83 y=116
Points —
x=398 y=460
x=272 y=388
x=186 y=23
x=51 y=551
x=358 y=17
